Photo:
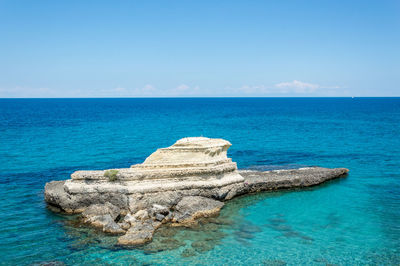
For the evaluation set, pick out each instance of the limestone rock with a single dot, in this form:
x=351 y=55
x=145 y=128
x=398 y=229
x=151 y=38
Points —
x=159 y=210
x=195 y=164
x=141 y=215
x=139 y=233
x=177 y=184
x=190 y=163
x=195 y=151
x=56 y=196
x=124 y=225
x=103 y=216
x=191 y=208
x=102 y=209
x=256 y=181
x=112 y=227
x=159 y=217
x=105 y=222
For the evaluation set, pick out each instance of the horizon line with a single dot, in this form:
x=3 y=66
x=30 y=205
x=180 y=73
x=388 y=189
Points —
x=200 y=97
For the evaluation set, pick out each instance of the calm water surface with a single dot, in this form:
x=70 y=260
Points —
x=351 y=221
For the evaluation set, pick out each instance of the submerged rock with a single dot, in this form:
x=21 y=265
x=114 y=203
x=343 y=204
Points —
x=274 y=263
x=167 y=231
x=162 y=244
x=176 y=185
x=203 y=246
x=189 y=252
x=49 y=263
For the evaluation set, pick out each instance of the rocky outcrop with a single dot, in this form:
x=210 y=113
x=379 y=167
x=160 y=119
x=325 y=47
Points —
x=191 y=208
x=256 y=181
x=174 y=185
x=141 y=232
x=103 y=216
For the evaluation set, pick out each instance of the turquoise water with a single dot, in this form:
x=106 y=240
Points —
x=352 y=221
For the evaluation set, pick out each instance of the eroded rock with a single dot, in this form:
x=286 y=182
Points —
x=102 y=209
x=140 y=233
x=176 y=185
x=113 y=228
x=193 y=207
x=141 y=215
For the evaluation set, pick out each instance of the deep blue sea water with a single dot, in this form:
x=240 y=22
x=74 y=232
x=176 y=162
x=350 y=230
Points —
x=352 y=221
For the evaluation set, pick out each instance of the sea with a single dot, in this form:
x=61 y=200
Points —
x=349 y=221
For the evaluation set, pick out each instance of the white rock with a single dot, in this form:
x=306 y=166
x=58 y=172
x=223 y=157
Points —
x=130 y=219
x=191 y=163
x=141 y=215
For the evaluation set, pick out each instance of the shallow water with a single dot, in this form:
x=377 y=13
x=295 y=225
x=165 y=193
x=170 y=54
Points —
x=349 y=221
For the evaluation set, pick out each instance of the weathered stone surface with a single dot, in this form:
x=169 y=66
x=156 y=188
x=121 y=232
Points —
x=103 y=216
x=139 y=233
x=176 y=185
x=256 y=181
x=191 y=208
x=58 y=195
x=189 y=159
x=159 y=217
x=113 y=228
x=106 y=222
x=141 y=215
x=129 y=218
x=124 y=225
x=189 y=163
x=102 y=209
x=159 y=212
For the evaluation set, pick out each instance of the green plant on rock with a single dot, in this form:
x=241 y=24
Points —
x=111 y=175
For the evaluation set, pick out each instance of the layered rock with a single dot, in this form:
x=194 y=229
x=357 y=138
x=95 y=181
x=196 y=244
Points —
x=190 y=163
x=176 y=185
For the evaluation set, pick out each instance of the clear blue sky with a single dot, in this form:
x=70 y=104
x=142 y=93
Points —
x=199 y=48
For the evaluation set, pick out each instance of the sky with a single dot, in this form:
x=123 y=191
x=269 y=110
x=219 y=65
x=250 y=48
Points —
x=199 y=48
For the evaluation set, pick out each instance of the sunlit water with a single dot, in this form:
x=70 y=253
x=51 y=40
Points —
x=355 y=220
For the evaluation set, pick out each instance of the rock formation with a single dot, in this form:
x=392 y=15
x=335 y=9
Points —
x=176 y=185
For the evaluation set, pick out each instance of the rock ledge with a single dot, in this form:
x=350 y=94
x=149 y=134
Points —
x=175 y=185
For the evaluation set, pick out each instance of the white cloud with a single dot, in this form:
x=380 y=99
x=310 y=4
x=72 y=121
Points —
x=291 y=88
x=148 y=88
x=297 y=87
x=182 y=87
x=294 y=87
x=184 y=90
x=152 y=91
x=257 y=89
x=26 y=92
x=120 y=90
